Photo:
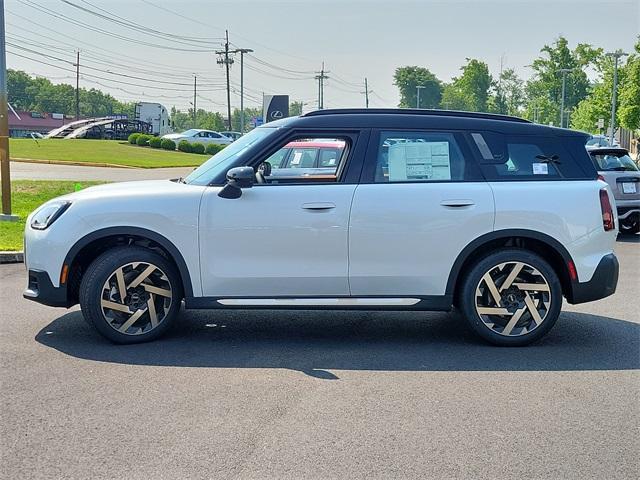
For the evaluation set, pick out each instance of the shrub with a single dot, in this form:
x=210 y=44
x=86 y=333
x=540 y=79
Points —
x=212 y=148
x=133 y=138
x=143 y=140
x=155 y=142
x=184 y=146
x=197 y=148
x=168 y=144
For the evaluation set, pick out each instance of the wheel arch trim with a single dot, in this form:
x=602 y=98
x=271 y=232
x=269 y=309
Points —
x=465 y=254
x=165 y=243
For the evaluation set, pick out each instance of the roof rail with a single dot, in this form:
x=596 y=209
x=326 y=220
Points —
x=413 y=111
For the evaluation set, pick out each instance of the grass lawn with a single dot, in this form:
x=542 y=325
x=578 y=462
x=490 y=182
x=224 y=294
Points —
x=101 y=151
x=26 y=196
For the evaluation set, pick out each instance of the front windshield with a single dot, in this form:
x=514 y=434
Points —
x=222 y=161
x=612 y=162
x=188 y=133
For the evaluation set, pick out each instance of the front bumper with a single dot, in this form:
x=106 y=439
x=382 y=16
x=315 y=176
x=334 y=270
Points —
x=602 y=284
x=41 y=290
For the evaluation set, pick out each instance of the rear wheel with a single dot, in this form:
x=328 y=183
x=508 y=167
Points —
x=511 y=298
x=131 y=294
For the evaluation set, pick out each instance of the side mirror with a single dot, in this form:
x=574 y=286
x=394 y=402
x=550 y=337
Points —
x=237 y=179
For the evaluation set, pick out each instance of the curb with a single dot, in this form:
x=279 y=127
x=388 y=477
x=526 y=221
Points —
x=11 y=257
x=74 y=164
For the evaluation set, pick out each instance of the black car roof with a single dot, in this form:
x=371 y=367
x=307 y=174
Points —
x=414 y=118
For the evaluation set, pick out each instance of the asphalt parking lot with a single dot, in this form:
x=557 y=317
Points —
x=321 y=395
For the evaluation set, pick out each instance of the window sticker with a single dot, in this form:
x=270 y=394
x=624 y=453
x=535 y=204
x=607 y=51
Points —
x=297 y=156
x=419 y=161
x=540 y=168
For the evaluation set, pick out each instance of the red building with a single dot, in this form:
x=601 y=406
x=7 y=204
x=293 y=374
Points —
x=25 y=123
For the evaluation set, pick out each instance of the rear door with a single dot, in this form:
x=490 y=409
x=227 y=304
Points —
x=420 y=202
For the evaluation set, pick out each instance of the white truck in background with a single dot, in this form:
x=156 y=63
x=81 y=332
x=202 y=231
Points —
x=156 y=114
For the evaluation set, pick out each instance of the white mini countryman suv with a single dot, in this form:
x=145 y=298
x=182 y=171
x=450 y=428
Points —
x=413 y=210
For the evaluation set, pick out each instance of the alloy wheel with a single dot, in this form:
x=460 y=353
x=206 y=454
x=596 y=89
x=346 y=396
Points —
x=136 y=298
x=513 y=299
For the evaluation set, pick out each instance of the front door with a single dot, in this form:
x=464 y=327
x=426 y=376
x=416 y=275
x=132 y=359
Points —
x=286 y=237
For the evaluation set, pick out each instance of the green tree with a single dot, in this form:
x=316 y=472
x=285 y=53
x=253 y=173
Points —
x=509 y=96
x=408 y=78
x=295 y=108
x=469 y=91
x=249 y=113
x=547 y=79
x=629 y=110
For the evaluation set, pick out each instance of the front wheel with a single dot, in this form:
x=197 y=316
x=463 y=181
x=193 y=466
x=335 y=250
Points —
x=511 y=298
x=131 y=294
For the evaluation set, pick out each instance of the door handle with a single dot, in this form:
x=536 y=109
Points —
x=318 y=206
x=457 y=203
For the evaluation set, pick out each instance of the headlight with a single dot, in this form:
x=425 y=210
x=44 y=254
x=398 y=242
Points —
x=48 y=213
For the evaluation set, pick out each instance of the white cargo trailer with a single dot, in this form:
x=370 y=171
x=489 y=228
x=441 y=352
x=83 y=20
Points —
x=156 y=114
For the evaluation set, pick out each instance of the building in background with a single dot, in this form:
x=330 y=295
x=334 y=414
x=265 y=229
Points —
x=24 y=124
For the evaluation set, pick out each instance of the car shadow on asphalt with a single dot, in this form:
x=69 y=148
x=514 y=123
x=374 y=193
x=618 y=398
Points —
x=628 y=238
x=318 y=342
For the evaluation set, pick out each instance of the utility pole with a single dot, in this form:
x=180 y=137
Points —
x=615 y=55
x=195 y=109
x=242 y=51
x=321 y=78
x=564 y=72
x=77 y=65
x=418 y=88
x=5 y=173
x=366 y=93
x=226 y=61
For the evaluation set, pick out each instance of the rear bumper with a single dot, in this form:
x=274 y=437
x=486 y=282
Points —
x=602 y=284
x=41 y=290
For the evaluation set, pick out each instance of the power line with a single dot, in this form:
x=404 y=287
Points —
x=143 y=27
x=104 y=32
x=100 y=50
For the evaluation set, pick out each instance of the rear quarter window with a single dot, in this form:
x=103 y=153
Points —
x=532 y=157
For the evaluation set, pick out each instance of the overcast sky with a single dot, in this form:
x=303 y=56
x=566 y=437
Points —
x=354 y=38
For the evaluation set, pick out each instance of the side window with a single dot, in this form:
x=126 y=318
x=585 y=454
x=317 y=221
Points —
x=213 y=135
x=328 y=157
x=525 y=157
x=302 y=158
x=308 y=160
x=418 y=157
x=277 y=159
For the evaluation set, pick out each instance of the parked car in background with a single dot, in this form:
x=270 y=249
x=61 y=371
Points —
x=617 y=168
x=426 y=209
x=307 y=158
x=196 y=135
x=232 y=135
x=596 y=141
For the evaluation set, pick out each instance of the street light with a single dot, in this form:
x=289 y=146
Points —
x=418 y=88
x=615 y=55
x=564 y=72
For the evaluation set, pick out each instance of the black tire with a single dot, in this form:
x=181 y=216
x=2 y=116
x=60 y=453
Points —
x=103 y=268
x=490 y=330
